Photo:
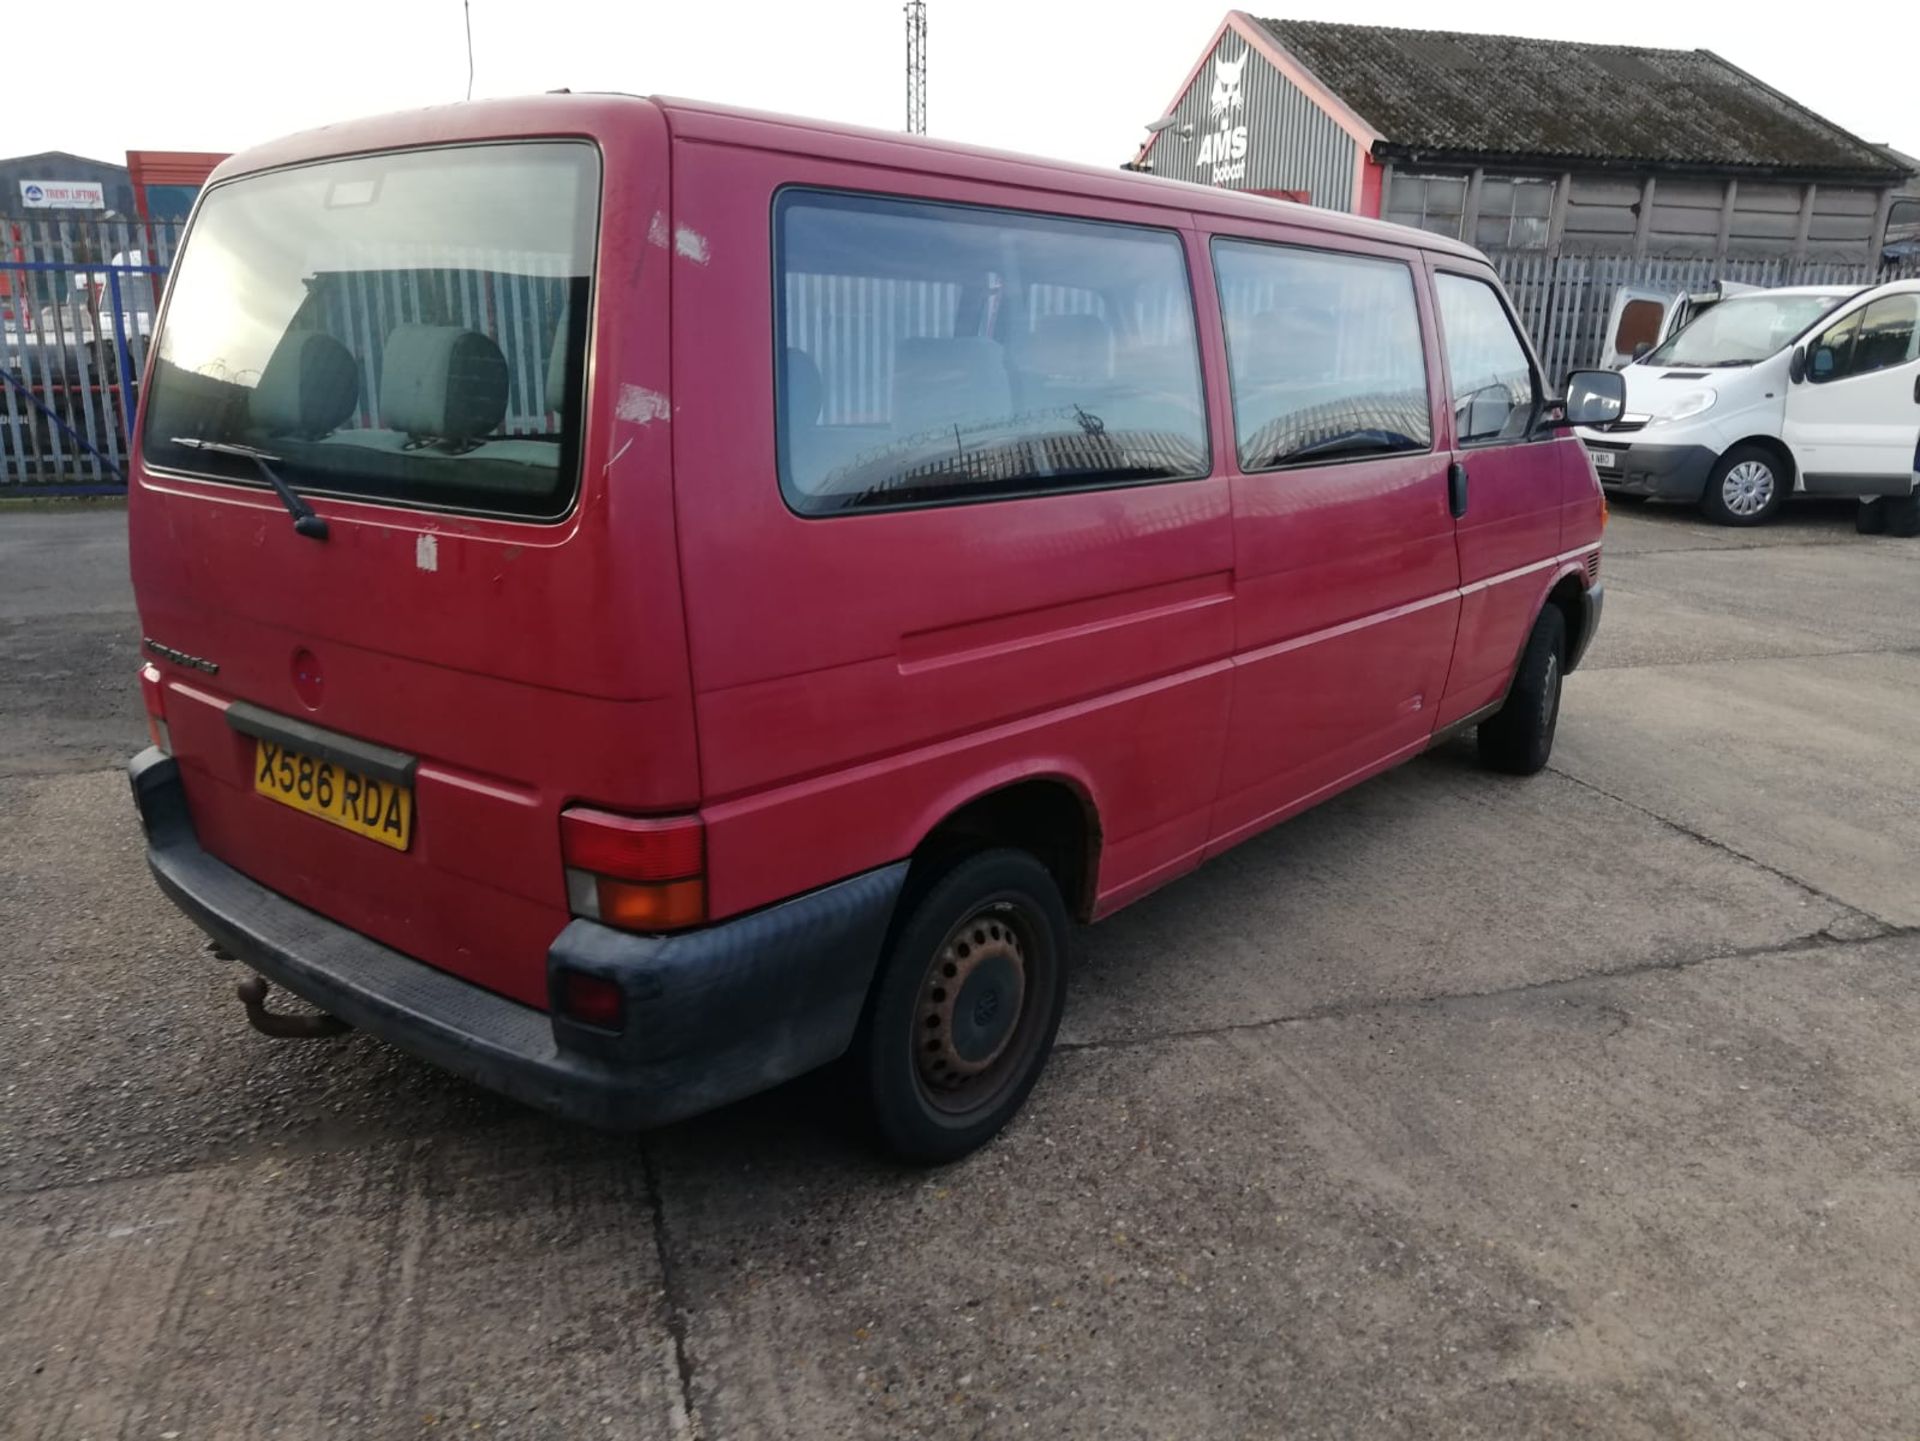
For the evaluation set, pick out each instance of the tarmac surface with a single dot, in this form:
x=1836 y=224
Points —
x=1466 y=1106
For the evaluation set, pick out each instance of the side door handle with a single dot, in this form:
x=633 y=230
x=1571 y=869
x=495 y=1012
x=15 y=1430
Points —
x=1457 y=485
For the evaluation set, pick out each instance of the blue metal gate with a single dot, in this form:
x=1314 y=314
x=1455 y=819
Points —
x=77 y=308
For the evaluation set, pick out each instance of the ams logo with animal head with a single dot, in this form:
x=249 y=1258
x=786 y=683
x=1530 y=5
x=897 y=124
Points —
x=1226 y=84
x=1223 y=150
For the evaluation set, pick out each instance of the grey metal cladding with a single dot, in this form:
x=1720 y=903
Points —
x=1289 y=143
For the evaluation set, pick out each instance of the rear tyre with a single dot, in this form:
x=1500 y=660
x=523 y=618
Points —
x=1747 y=486
x=965 y=1007
x=1518 y=738
x=1871 y=517
x=1903 y=514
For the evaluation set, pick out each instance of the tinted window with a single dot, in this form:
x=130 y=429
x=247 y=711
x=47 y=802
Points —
x=1494 y=395
x=1878 y=337
x=405 y=327
x=933 y=353
x=1324 y=354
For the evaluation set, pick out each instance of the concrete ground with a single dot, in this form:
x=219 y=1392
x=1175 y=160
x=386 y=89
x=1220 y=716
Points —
x=1464 y=1106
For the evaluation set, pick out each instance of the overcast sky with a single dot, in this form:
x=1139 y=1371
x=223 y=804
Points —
x=1071 y=80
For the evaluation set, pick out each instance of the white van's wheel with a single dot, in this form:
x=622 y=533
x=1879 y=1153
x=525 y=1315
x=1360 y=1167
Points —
x=1747 y=487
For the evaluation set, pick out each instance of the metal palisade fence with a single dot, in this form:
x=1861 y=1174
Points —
x=1564 y=300
x=78 y=300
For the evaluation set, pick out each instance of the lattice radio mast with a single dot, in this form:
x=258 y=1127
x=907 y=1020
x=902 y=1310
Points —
x=916 y=67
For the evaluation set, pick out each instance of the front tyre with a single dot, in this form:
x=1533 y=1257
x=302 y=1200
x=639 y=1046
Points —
x=1518 y=737
x=966 y=1005
x=1747 y=486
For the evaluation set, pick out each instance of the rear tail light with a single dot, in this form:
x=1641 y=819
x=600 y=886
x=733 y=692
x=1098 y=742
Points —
x=638 y=875
x=591 y=1000
x=154 y=698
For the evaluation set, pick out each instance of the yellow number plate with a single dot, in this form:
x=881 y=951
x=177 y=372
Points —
x=376 y=809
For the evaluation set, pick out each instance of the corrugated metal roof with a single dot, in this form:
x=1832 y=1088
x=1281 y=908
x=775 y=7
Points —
x=1451 y=92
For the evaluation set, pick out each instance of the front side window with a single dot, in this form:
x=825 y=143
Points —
x=1494 y=391
x=1324 y=353
x=934 y=353
x=407 y=327
x=1877 y=337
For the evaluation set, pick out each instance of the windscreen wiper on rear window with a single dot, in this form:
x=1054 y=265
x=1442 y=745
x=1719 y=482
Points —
x=305 y=521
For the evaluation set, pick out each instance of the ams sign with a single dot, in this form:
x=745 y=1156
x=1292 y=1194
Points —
x=1223 y=149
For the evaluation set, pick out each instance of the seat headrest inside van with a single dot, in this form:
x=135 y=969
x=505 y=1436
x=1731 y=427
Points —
x=557 y=366
x=442 y=383
x=309 y=386
x=1071 y=347
x=949 y=382
x=806 y=391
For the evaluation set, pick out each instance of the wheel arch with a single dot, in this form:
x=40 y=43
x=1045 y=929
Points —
x=1569 y=594
x=1048 y=810
x=1774 y=446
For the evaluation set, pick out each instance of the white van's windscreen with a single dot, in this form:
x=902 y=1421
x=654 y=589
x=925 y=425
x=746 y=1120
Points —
x=406 y=327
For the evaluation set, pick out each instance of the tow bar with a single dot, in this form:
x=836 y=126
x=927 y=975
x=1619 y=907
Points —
x=253 y=995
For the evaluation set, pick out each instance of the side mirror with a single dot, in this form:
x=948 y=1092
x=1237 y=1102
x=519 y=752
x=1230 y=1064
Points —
x=1595 y=397
x=1797 y=366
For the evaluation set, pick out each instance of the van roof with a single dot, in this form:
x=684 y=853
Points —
x=566 y=113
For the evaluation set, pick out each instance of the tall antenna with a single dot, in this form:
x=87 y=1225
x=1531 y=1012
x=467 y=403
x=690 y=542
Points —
x=916 y=67
x=466 y=9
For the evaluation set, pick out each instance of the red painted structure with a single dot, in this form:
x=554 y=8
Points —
x=1184 y=662
x=179 y=171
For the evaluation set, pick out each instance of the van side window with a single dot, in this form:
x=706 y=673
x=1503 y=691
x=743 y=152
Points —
x=931 y=353
x=1324 y=353
x=1881 y=335
x=1495 y=394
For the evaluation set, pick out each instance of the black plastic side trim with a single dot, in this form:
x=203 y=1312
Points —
x=1859 y=485
x=381 y=762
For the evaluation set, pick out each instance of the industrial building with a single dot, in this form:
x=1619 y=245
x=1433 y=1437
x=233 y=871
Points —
x=1521 y=144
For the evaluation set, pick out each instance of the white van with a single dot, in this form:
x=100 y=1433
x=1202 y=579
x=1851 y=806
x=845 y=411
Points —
x=1812 y=389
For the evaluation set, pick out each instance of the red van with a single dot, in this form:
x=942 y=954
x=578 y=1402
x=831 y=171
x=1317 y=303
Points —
x=642 y=600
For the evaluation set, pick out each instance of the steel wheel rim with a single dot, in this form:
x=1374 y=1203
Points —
x=1748 y=487
x=974 y=1023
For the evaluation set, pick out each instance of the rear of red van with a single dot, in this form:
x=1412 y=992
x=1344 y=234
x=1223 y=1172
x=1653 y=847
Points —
x=416 y=672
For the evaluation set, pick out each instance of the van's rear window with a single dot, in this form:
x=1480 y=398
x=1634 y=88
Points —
x=406 y=327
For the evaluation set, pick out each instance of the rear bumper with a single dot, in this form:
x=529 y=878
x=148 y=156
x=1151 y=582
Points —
x=1664 y=472
x=712 y=1015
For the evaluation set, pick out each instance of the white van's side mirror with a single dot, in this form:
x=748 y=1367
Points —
x=1797 y=366
x=1595 y=397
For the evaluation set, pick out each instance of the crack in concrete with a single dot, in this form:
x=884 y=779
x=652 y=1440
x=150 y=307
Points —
x=686 y=1420
x=1439 y=1000
x=1712 y=843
